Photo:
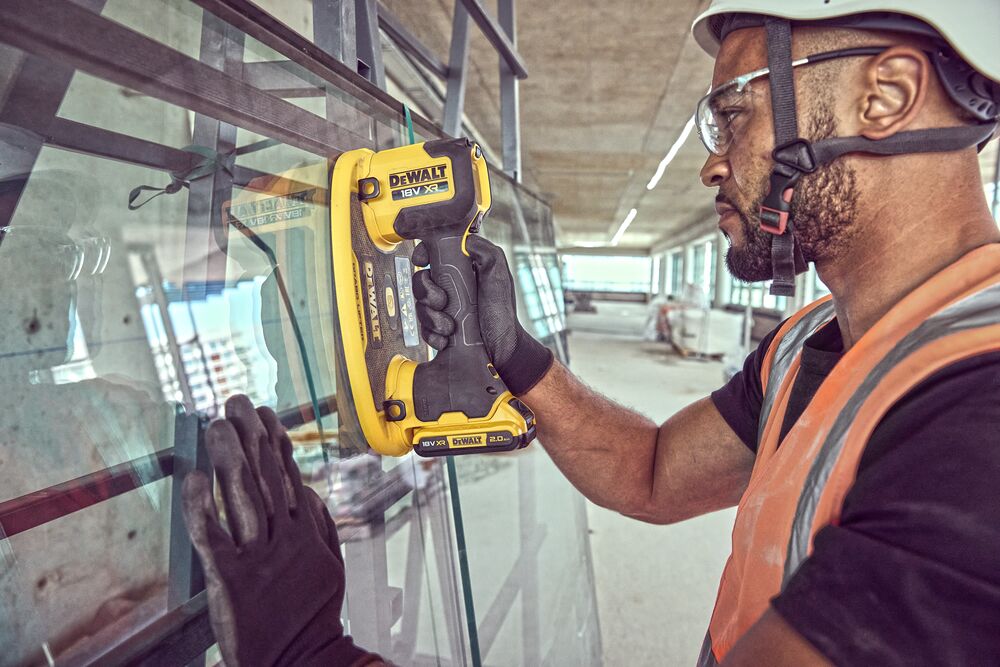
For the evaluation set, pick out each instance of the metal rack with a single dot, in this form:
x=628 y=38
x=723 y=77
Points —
x=225 y=92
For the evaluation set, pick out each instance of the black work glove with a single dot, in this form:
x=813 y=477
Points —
x=520 y=360
x=276 y=583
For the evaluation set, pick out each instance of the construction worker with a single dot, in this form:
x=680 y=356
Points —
x=861 y=441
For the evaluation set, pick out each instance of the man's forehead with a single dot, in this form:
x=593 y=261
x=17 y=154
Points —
x=742 y=51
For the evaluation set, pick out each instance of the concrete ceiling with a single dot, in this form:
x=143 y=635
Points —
x=610 y=88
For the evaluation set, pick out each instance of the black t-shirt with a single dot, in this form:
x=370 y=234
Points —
x=911 y=575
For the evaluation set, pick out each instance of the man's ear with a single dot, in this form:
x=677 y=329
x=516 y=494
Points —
x=895 y=88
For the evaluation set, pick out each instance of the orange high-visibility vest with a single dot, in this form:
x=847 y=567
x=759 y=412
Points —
x=798 y=488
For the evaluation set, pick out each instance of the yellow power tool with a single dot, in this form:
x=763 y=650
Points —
x=437 y=193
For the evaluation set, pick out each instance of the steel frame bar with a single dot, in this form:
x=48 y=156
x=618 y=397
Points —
x=367 y=590
x=60 y=30
x=274 y=77
x=439 y=522
x=409 y=43
x=179 y=637
x=334 y=29
x=497 y=37
x=303 y=414
x=87 y=139
x=205 y=235
x=40 y=507
x=82 y=138
x=513 y=585
x=253 y=147
x=405 y=644
x=370 y=42
x=185 y=575
x=510 y=111
x=458 y=66
x=530 y=531
x=263 y=27
x=205 y=243
x=32 y=99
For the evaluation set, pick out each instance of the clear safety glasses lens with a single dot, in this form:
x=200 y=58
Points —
x=721 y=113
x=48 y=254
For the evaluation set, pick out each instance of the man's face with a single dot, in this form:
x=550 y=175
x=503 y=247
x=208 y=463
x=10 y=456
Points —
x=824 y=202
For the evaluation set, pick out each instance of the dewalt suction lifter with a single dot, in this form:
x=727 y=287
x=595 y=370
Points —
x=436 y=192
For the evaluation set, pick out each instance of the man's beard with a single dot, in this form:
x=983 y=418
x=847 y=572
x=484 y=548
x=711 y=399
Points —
x=823 y=213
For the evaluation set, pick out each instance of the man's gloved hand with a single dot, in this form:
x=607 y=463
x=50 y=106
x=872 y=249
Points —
x=276 y=581
x=520 y=360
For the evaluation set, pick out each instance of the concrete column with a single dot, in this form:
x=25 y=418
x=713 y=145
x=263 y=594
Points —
x=664 y=272
x=655 y=272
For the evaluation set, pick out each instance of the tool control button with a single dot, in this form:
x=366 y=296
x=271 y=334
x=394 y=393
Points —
x=368 y=188
x=394 y=410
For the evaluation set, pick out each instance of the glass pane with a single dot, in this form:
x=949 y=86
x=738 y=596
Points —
x=698 y=262
x=607 y=273
x=163 y=251
x=62 y=596
x=710 y=252
x=117 y=323
x=525 y=525
x=677 y=272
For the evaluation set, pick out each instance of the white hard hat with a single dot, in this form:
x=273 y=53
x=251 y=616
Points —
x=966 y=58
x=971 y=27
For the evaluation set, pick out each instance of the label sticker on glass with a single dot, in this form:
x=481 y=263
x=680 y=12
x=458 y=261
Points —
x=405 y=303
x=271 y=210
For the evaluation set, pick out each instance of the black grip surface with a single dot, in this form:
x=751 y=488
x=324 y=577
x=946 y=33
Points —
x=459 y=378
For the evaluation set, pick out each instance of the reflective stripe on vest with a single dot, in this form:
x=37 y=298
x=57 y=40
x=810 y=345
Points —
x=978 y=311
x=783 y=351
x=798 y=488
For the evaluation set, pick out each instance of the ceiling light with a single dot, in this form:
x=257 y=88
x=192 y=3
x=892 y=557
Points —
x=625 y=223
x=584 y=244
x=671 y=154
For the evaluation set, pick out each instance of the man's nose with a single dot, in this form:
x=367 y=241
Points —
x=715 y=171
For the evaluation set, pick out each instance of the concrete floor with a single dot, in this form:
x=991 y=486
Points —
x=656 y=585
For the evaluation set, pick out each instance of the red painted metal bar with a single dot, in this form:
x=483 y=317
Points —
x=40 y=507
x=35 y=509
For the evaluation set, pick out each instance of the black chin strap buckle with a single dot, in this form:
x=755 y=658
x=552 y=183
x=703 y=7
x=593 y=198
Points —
x=791 y=160
x=776 y=207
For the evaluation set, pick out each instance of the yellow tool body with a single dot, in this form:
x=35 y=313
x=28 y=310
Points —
x=438 y=193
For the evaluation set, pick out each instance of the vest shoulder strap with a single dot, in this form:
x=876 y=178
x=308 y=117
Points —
x=784 y=348
x=966 y=328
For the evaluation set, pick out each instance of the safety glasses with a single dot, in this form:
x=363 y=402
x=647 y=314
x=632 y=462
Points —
x=50 y=255
x=726 y=109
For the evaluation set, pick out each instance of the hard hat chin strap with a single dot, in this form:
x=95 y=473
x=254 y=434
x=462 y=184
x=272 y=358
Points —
x=795 y=156
x=792 y=158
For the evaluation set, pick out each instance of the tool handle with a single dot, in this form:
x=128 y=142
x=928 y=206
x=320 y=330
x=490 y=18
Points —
x=463 y=366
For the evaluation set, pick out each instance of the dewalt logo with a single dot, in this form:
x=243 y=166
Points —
x=417 y=176
x=467 y=440
x=419 y=182
x=373 y=318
